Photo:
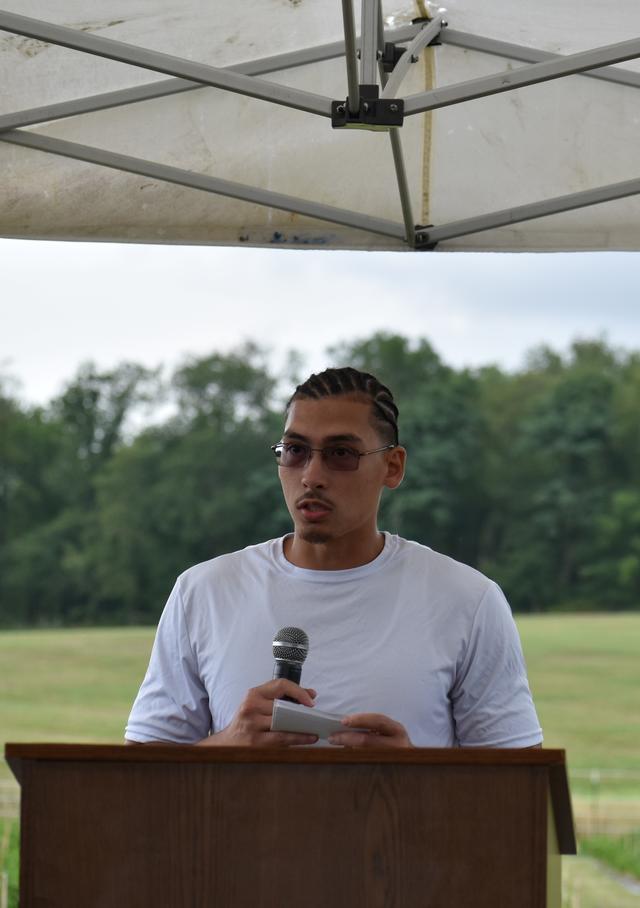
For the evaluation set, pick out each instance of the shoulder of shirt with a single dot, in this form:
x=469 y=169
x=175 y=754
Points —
x=226 y=564
x=454 y=577
x=442 y=569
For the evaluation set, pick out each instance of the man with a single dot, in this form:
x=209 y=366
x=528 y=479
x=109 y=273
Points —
x=414 y=647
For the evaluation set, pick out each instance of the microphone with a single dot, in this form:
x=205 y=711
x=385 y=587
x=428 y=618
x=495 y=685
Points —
x=290 y=648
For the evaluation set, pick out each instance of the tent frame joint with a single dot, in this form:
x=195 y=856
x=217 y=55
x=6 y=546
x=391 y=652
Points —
x=374 y=113
x=422 y=241
x=390 y=56
x=392 y=52
x=424 y=21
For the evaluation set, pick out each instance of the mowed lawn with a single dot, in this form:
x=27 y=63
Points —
x=70 y=685
x=78 y=685
x=584 y=672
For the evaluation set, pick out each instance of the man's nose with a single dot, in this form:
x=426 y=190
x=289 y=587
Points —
x=314 y=471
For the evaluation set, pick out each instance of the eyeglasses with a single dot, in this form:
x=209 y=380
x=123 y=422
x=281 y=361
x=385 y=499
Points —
x=336 y=457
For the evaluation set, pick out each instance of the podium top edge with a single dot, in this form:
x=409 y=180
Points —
x=178 y=753
x=21 y=756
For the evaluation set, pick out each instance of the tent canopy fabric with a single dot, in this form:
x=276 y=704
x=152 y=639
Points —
x=322 y=124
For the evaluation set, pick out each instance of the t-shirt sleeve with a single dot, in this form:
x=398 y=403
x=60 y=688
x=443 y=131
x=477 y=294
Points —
x=492 y=703
x=172 y=703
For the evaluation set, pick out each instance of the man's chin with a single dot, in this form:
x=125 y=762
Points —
x=314 y=535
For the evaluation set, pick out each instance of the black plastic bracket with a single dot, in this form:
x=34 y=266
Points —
x=374 y=112
x=436 y=42
x=421 y=239
x=390 y=56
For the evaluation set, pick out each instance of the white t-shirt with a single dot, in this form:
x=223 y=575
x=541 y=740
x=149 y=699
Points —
x=413 y=634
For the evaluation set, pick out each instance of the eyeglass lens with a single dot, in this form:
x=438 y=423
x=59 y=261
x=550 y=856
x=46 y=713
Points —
x=336 y=457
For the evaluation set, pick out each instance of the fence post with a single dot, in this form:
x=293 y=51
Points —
x=594 y=803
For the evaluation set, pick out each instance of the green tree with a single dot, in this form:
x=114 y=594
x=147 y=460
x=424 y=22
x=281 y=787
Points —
x=532 y=476
x=611 y=575
x=560 y=466
x=95 y=409
x=219 y=389
x=202 y=485
x=49 y=463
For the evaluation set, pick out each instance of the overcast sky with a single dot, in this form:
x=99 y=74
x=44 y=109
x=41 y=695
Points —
x=65 y=303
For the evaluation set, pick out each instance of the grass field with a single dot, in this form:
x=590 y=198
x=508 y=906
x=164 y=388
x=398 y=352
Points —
x=9 y=861
x=78 y=686
x=585 y=677
x=622 y=853
x=587 y=883
x=70 y=685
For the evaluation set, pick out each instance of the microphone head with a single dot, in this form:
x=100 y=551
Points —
x=291 y=644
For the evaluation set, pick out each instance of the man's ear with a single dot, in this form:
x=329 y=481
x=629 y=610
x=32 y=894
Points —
x=396 y=461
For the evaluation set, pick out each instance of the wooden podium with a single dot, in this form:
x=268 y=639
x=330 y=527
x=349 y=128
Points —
x=195 y=827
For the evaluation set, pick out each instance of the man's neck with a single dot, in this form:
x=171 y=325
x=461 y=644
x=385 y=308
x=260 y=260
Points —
x=334 y=555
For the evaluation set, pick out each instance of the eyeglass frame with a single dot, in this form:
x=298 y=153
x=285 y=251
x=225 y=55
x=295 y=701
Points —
x=321 y=451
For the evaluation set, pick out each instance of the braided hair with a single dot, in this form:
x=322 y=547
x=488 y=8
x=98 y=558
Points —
x=334 y=382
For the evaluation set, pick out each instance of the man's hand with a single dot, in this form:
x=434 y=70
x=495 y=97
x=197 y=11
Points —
x=250 y=727
x=382 y=732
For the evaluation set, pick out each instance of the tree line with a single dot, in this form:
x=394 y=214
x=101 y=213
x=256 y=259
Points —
x=531 y=476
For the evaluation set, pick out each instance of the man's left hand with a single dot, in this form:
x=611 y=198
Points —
x=381 y=732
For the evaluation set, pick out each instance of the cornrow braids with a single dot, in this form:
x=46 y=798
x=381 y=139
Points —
x=347 y=380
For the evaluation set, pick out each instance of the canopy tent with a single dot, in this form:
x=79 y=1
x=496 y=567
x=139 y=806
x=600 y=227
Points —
x=315 y=123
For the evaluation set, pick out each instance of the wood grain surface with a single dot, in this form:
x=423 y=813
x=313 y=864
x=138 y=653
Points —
x=190 y=827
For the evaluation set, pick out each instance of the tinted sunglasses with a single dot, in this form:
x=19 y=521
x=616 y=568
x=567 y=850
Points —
x=336 y=457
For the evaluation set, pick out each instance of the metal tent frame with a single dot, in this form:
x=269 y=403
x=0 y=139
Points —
x=375 y=67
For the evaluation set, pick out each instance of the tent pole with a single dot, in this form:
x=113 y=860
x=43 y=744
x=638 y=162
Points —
x=519 y=78
x=530 y=55
x=369 y=42
x=166 y=63
x=396 y=149
x=104 y=101
x=509 y=216
x=204 y=182
x=353 y=97
x=403 y=187
x=166 y=87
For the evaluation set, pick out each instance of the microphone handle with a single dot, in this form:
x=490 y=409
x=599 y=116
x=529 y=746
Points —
x=290 y=670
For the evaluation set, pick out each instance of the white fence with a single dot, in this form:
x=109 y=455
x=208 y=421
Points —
x=608 y=802
x=9 y=799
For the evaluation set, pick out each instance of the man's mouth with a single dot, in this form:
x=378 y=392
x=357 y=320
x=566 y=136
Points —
x=314 y=509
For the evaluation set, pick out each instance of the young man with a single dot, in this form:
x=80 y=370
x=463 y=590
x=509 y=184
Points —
x=407 y=643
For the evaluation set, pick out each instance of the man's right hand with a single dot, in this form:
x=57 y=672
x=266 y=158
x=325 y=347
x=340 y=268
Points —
x=251 y=725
